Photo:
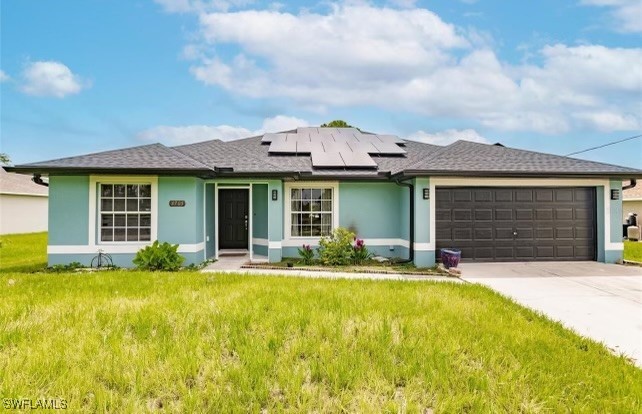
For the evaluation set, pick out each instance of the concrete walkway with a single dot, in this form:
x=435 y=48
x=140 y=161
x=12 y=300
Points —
x=600 y=301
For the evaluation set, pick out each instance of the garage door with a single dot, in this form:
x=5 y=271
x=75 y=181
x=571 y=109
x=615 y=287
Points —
x=517 y=224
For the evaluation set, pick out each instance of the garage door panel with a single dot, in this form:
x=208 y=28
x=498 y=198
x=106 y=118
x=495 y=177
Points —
x=503 y=195
x=483 y=215
x=504 y=214
x=545 y=251
x=443 y=214
x=563 y=214
x=523 y=214
x=483 y=233
x=524 y=252
x=544 y=195
x=544 y=233
x=504 y=224
x=564 y=252
x=462 y=215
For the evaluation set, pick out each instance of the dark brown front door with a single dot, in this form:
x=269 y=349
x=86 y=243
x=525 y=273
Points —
x=233 y=219
x=517 y=224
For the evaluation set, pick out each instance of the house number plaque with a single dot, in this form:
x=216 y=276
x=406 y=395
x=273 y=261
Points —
x=177 y=203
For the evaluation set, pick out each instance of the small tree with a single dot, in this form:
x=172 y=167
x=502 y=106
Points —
x=4 y=159
x=337 y=123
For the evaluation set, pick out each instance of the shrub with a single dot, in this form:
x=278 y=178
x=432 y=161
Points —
x=360 y=252
x=336 y=249
x=62 y=268
x=159 y=256
x=307 y=254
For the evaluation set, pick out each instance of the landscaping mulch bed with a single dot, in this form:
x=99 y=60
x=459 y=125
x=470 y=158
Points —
x=350 y=270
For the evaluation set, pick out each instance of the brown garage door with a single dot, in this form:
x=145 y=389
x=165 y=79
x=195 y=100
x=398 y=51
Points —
x=517 y=224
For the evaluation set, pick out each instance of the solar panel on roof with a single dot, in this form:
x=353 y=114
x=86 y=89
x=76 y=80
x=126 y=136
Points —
x=389 y=148
x=282 y=146
x=331 y=146
x=357 y=159
x=269 y=137
x=365 y=147
x=391 y=138
x=327 y=159
x=303 y=147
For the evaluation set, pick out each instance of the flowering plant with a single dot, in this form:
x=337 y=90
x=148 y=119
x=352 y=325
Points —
x=360 y=252
x=307 y=254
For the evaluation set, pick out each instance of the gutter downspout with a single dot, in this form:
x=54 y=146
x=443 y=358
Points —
x=411 y=234
x=633 y=183
x=38 y=180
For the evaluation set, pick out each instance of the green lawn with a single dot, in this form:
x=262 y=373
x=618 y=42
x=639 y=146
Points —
x=193 y=342
x=633 y=251
x=23 y=252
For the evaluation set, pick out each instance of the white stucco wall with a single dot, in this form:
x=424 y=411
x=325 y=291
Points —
x=23 y=213
x=631 y=206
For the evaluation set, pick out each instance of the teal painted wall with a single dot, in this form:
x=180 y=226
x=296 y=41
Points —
x=182 y=225
x=275 y=218
x=616 y=213
x=210 y=220
x=372 y=210
x=68 y=210
x=260 y=211
x=399 y=252
x=599 y=222
x=422 y=211
x=260 y=250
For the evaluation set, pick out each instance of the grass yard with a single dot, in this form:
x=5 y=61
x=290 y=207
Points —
x=23 y=252
x=633 y=251
x=193 y=342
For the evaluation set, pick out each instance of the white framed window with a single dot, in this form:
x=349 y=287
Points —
x=125 y=212
x=311 y=209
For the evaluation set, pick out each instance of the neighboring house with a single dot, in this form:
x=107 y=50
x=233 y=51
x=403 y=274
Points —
x=23 y=204
x=632 y=202
x=270 y=194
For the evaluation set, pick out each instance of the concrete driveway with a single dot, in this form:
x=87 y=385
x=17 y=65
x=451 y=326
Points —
x=597 y=300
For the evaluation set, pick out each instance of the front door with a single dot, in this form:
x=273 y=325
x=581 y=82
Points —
x=233 y=219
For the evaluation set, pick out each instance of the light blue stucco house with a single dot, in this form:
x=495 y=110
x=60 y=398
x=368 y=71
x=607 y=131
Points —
x=270 y=194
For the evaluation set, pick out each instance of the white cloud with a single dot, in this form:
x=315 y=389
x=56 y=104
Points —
x=448 y=136
x=359 y=54
x=178 y=135
x=49 y=78
x=281 y=123
x=627 y=14
x=3 y=76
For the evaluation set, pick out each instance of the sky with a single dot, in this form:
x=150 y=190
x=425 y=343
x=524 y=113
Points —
x=555 y=76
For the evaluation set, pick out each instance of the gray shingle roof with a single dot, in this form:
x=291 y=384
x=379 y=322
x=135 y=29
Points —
x=472 y=157
x=20 y=184
x=146 y=157
x=248 y=156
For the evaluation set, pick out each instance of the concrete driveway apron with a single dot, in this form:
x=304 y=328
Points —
x=597 y=300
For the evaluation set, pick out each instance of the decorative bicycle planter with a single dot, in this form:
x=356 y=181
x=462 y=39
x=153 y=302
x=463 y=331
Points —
x=450 y=257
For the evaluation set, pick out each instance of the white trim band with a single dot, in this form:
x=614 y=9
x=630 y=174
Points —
x=117 y=249
x=274 y=245
x=260 y=242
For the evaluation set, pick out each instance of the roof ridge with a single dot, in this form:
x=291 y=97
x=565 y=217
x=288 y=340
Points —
x=188 y=157
x=96 y=153
x=431 y=156
x=503 y=148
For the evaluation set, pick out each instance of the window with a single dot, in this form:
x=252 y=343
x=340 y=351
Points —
x=311 y=212
x=125 y=212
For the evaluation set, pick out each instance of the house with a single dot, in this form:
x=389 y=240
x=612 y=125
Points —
x=632 y=202
x=23 y=204
x=270 y=194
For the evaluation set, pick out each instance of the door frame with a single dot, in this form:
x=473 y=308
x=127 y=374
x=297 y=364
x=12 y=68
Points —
x=603 y=223
x=217 y=188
